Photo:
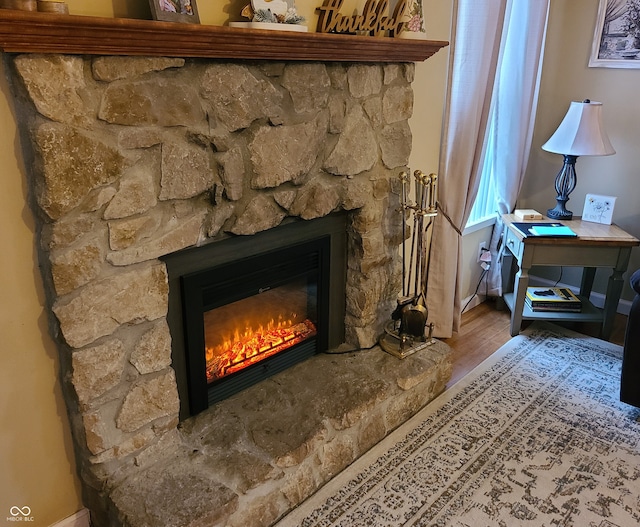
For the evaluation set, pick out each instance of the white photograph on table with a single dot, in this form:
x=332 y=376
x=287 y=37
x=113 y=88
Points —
x=598 y=209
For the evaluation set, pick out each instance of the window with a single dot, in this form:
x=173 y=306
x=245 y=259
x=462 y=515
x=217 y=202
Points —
x=510 y=123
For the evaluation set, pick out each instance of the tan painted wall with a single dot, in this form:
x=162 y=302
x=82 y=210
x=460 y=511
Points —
x=566 y=77
x=36 y=455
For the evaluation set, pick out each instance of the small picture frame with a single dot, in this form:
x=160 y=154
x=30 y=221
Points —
x=185 y=11
x=598 y=209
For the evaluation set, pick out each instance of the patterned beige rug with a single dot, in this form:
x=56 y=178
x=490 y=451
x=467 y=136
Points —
x=535 y=436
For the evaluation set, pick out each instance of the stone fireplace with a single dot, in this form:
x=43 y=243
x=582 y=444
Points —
x=134 y=160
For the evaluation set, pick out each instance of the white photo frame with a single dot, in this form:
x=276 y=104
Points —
x=615 y=43
x=598 y=209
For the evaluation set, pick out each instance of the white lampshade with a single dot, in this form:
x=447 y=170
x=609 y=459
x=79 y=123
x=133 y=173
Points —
x=581 y=132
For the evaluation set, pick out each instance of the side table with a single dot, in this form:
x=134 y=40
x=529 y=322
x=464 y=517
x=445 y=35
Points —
x=596 y=245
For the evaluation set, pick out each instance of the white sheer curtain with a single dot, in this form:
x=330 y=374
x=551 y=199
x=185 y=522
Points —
x=489 y=38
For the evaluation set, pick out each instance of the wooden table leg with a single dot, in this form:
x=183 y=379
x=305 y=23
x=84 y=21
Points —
x=520 y=290
x=614 y=289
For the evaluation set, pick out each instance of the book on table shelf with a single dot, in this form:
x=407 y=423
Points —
x=552 y=299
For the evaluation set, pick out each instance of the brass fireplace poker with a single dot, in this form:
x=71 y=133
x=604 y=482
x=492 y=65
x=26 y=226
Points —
x=406 y=332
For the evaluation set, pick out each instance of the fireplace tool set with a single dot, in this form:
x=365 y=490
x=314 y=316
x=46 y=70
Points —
x=406 y=332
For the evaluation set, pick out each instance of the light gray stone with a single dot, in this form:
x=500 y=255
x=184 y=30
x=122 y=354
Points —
x=137 y=192
x=73 y=164
x=338 y=75
x=397 y=104
x=153 y=351
x=364 y=80
x=69 y=230
x=162 y=102
x=186 y=170
x=133 y=231
x=114 y=68
x=140 y=137
x=285 y=153
x=175 y=233
x=175 y=498
x=97 y=199
x=96 y=432
x=102 y=306
x=218 y=217
x=237 y=97
x=149 y=400
x=392 y=72
x=232 y=172
x=395 y=144
x=355 y=193
x=356 y=150
x=315 y=200
x=262 y=213
x=308 y=84
x=97 y=369
x=285 y=198
x=57 y=87
x=373 y=108
x=337 y=114
x=76 y=267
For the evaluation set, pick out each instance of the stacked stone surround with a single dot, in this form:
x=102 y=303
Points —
x=131 y=159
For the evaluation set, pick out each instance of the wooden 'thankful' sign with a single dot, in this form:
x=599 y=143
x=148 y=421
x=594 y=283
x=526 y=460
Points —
x=374 y=19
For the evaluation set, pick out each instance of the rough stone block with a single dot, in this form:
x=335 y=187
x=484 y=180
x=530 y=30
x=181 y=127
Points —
x=73 y=164
x=102 y=306
x=147 y=401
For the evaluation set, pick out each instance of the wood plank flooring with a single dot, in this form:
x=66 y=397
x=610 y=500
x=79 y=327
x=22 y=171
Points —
x=485 y=328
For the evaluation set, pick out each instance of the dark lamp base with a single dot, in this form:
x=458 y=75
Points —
x=559 y=212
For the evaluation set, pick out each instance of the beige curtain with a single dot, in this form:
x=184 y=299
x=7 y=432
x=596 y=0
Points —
x=476 y=46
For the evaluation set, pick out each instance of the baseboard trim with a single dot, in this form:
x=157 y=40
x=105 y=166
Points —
x=81 y=518
x=473 y=301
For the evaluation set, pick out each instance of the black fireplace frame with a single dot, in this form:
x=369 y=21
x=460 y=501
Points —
x=329 y=232
x=242 y=279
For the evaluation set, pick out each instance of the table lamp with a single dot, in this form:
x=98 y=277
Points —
x=580 y=134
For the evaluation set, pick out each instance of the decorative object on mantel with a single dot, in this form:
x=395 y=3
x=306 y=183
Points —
x=21 y=5
x=175 y=11
x=279 y=15
x=405 y=333
x=374 y=20
x=51 y=6
x=413 y=26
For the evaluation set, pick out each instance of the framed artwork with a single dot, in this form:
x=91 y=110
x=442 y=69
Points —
x=616 y=40
x=175 y=11
x=598 y=209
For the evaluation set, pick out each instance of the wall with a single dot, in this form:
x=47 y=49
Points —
x=566 y=77
x=38 y=468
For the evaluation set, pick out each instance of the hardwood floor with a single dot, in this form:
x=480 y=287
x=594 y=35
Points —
x=485 y=328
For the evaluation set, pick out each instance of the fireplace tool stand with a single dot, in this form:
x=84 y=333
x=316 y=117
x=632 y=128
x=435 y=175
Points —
x=407 y=332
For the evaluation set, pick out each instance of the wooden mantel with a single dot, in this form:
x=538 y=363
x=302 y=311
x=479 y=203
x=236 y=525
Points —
x=29 y=32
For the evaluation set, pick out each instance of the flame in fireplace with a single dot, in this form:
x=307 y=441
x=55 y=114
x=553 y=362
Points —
x=250 y=346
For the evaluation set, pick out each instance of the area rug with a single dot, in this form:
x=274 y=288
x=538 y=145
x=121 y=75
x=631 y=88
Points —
x=535 y=436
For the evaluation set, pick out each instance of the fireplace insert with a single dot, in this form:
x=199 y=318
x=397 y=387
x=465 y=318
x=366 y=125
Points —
x=245 y=308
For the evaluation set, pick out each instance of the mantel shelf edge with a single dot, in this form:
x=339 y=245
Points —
x=28 y=32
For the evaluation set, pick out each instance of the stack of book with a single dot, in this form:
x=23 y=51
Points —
x=553 y=299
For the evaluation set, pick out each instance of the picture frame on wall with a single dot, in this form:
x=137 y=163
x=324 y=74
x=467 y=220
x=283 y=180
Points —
x=185 y=11
x=616 y=40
